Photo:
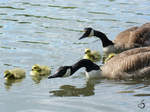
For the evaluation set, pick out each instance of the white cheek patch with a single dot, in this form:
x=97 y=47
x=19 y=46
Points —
x=68 y=73
x=91 y=33
x=93 y=74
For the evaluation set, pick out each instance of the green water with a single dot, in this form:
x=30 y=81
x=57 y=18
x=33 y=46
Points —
x=46 y=32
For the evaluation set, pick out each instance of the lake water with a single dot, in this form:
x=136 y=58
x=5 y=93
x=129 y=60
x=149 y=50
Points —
x=46 y=32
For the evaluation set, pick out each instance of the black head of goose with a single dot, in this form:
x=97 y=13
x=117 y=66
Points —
x=92 y=70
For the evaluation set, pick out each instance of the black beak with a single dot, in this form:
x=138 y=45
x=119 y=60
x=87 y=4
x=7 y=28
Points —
x=86 y=34
x=54 y=76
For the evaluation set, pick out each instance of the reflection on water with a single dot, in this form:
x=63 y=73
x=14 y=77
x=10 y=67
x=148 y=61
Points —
x=9 y=82
x=69 y=90
x=38 y=78
x=142 y=94
x=126 y=92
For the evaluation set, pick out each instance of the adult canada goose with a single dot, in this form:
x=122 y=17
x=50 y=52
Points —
x=16 y=73
x=92 y=55
x=128 y=39
x=40 y=70
x=134 y=63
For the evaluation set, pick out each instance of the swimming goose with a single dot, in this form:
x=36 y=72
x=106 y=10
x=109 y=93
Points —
x=134 y=63
x=16 y=73
x=128 y=39
x=40 y=70
x=92 y=55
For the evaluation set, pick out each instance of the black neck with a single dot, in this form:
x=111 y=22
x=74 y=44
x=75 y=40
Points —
x=89 y=65
x=105 y=41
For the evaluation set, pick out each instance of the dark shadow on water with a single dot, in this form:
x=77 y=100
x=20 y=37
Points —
x=70 y=90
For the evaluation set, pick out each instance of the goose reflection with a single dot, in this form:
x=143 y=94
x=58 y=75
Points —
x=69 y=90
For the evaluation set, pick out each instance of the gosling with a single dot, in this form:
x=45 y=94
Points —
x=16 y=73
x=92 y=55
x=40 y=70
x=109 y=57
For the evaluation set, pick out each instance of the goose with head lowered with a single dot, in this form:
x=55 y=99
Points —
x=134 y=63
x=128 y=39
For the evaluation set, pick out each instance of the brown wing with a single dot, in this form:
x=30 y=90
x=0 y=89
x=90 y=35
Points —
x=121 y=66
x=142 y=35
x=134 y=37
x=123 y=37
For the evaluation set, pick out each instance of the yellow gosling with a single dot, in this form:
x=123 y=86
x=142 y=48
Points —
x=109 y=57
x=92 y=55
x=40 y=70
x=16 y=73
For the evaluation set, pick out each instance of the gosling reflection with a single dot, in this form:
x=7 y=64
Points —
x=37 y=79
x=69 y=90
x=9 y=82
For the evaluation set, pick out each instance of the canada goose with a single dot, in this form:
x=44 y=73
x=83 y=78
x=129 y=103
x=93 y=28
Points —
x=92 y=55
x=40 y=70
x=16 y=73
x=128 y=39
x=134 y=63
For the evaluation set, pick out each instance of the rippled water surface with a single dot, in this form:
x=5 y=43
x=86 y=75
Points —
x=46 y=32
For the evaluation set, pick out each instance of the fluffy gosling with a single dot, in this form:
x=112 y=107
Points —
x=109 y=57
x=40 y=70
x=92 y=55
x=16 y=73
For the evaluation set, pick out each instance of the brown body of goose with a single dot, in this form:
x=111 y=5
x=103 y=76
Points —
x=135 y=36
x=132 y=63
x=128 y=39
